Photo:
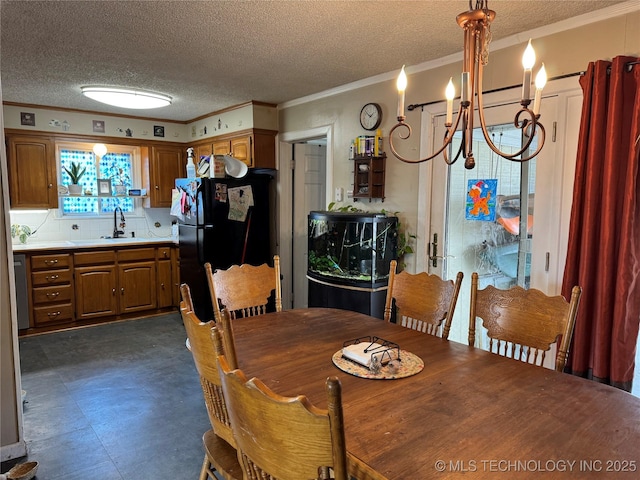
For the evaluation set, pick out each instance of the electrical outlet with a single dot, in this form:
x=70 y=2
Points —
x=339 y=194
x=349 y=193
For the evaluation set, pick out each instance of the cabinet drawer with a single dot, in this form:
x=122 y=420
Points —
x=164 y=253
x=53 y=314
x=94 y=258
x=47 y=262
x=51 y=277
x=135 y=254
x=54 y=294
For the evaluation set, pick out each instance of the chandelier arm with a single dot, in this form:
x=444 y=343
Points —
x=447 y=139
x=460 y=152
x=531 y=123
x=540 y=131
x=462 y=114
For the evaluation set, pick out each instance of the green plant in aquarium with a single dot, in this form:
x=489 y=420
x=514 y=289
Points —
x=404 y=238
x=322 y=263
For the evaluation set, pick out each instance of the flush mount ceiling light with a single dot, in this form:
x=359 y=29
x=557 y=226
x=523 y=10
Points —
x=127 y=98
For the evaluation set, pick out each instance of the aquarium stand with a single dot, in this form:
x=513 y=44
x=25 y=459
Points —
x=368 y=300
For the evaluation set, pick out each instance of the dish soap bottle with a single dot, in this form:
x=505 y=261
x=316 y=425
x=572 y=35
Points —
x=191 y=167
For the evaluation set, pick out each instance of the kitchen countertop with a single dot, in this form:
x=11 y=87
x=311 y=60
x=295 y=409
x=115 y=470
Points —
x=94 y=243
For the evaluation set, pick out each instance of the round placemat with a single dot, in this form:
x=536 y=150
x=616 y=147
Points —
x=410 y=365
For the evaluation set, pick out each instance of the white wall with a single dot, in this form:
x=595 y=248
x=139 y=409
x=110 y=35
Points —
x=563 y=52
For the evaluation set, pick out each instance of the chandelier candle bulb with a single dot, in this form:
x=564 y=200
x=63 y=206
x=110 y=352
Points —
x=449 y=93
x=402 y=86
x=528 y=61
x=541 y=81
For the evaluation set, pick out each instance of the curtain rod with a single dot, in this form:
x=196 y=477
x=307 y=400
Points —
x=567 y=75
x=628 y=66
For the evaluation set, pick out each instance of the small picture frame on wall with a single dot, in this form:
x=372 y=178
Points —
x=158 y=131
x=104 y=187
x=27 y=118
x=98 y=126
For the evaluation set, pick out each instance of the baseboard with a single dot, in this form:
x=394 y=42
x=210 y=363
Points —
x=15 y=450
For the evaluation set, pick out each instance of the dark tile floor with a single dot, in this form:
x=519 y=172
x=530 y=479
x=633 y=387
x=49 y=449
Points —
x=118 y=401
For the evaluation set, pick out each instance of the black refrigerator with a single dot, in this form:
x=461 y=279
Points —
x=223 y=221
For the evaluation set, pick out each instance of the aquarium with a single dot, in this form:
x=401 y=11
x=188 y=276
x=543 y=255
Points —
x=351 y=248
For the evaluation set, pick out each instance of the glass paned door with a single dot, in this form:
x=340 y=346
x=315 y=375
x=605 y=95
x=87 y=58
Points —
x=485 y=219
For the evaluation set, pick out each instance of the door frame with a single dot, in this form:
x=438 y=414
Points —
x=285 y=190
x=568 y=91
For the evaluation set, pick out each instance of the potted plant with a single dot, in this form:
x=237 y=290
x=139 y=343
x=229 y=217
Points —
x=75 y=173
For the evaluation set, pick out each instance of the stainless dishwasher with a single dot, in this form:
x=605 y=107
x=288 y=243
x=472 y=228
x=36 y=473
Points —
x=22 y=295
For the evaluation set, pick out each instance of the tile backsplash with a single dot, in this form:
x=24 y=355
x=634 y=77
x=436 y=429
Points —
x=48 y=225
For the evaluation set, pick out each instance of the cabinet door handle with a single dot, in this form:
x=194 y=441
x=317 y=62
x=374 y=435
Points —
x=53 y=294
x=53 y=314
x=162 y=285
x=50 y=185
x=51 y=262
x=122 y=291
x=52 y=277
x=113 y=291
x=157 y=187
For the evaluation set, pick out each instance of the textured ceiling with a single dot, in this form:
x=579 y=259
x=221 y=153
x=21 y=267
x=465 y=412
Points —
x=209 y=55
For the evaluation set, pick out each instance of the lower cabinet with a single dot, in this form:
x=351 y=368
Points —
x=96 y=291
x=137 y=282
x=165 y=278
x=99 y=285
x=51 y=289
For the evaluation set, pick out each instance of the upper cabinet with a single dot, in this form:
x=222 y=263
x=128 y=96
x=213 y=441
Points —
x=167 y=164
x=32 y=171
x=256 y=148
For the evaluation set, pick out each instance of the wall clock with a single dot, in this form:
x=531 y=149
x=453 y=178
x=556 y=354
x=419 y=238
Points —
x=371 y=116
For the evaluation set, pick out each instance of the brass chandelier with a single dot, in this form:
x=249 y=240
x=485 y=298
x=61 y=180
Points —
x=476 y=24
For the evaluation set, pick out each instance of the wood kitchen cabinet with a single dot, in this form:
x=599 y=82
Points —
x=137 y=282
x=32 y=171
x=105 y=288
x=165 y=277
x=137 y=279
x=237 y=147
x=51 y=289
x=96 y=284
x=88 y=285
x=167 y=164
x=256 y=148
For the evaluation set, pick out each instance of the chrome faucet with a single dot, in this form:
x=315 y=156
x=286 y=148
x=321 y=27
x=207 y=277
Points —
x=116 y=232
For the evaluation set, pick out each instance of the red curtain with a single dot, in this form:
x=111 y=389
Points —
x=603 y=254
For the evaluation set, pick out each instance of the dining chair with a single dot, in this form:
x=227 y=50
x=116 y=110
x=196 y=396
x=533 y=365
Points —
x=422 y=301
x=244 y=290
x=524 y=324
x=219 y=444
x=286 y=438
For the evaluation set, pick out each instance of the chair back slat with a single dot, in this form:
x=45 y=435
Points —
x=422 y=302
x=529 y=320
x=244 y=290
x=284 y=438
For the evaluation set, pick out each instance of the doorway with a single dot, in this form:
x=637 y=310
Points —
x=493 y=246
x=309 y=178
x=305 y=184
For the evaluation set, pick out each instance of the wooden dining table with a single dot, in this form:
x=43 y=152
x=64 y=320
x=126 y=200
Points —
x=468 y=413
